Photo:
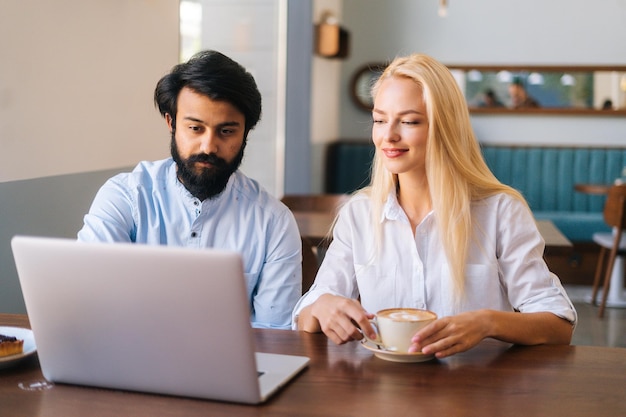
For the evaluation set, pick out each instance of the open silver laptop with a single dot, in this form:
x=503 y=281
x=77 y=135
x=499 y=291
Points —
x=146 y=318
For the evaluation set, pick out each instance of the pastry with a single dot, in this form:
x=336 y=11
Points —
x=10 y=345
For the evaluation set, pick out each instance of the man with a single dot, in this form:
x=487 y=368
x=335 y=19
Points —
x=198 y=198
x=519 y=96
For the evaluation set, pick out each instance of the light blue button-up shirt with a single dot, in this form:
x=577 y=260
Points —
x=149 y=205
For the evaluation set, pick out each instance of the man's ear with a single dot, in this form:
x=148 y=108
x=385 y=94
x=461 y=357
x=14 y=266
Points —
x=168 y=120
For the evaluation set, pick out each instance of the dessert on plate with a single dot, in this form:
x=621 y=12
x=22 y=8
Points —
x=10 y=345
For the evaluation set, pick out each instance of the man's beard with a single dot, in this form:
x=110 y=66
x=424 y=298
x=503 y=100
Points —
x=210 y=182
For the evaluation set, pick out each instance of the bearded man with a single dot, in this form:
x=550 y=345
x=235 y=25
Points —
x=198 y=198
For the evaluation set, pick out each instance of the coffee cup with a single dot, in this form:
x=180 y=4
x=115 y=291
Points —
x=396 y=326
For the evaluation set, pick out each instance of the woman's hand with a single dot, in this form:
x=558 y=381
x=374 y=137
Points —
x=342 y=319
x=449 y=335
x=454 y=334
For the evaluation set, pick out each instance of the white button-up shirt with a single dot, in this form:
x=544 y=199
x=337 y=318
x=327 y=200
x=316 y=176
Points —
x=505 y=269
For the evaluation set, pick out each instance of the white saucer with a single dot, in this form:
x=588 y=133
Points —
x=395 y=356
x=29 y=344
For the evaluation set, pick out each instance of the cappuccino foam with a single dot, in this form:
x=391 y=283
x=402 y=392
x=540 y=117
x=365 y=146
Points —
x=403 y=316
x=406 y=315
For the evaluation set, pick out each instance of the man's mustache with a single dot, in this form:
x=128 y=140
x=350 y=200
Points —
x=207 y=158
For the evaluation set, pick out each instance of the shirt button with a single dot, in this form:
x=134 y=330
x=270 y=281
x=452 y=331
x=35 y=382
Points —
x=194 y=234
x=195 y=203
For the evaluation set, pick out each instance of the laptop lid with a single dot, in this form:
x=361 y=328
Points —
x=145 y=318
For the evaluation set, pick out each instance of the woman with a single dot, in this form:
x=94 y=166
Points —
x=435 y=230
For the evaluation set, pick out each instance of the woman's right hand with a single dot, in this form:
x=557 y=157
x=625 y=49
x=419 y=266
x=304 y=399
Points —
x=342 y=319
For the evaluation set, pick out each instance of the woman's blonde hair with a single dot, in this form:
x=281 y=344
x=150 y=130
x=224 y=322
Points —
x=455 y=169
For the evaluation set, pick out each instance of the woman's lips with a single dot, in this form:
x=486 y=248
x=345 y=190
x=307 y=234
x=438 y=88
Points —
x=393 y=152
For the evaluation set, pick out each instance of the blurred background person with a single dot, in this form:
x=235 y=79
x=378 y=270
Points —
x=608 y=104
x=520 y=97
x=490 y=99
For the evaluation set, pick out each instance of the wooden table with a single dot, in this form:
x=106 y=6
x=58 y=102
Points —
x=493 y=379
x=595 y=189
x=556 y=241
x=316 y=227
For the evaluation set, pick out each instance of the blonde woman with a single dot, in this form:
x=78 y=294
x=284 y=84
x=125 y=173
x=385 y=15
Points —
x=435 y=230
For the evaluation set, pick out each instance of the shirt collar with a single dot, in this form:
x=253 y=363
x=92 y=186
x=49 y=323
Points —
x=392 y=209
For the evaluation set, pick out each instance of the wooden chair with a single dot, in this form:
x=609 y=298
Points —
x=610 y=243
x=310 y=264
x=311 y=254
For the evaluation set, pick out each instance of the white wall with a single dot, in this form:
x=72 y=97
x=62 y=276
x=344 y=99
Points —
x=76 y=84
x=493 y=32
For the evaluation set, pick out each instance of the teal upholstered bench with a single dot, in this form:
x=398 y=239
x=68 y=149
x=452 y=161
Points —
x=348 y=164
x=544 y=175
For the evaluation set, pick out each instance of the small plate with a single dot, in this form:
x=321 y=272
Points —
x=396 y=356
x=29 y=344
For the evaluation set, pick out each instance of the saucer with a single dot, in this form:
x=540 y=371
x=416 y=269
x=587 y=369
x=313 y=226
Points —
x=396 y=356
x=29 y=345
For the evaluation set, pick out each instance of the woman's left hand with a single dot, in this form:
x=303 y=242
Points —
x=450 y=335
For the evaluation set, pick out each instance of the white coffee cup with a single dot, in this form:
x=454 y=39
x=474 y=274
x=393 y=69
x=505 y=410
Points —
x=396 y=326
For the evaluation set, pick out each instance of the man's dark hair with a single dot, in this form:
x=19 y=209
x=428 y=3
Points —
x=215 y=75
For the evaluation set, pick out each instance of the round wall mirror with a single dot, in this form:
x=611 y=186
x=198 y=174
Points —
x=362 y=81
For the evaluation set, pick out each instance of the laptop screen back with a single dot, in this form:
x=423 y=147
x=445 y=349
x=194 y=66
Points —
x=147 y=318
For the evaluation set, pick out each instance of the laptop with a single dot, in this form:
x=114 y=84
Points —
x=154 y=319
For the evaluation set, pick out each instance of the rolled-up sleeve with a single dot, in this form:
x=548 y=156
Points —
x=529 y=284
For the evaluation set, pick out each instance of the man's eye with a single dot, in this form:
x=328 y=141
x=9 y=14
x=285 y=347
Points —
x=194 y=128
x=378 y=121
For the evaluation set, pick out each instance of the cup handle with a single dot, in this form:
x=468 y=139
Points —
x=378 y=342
